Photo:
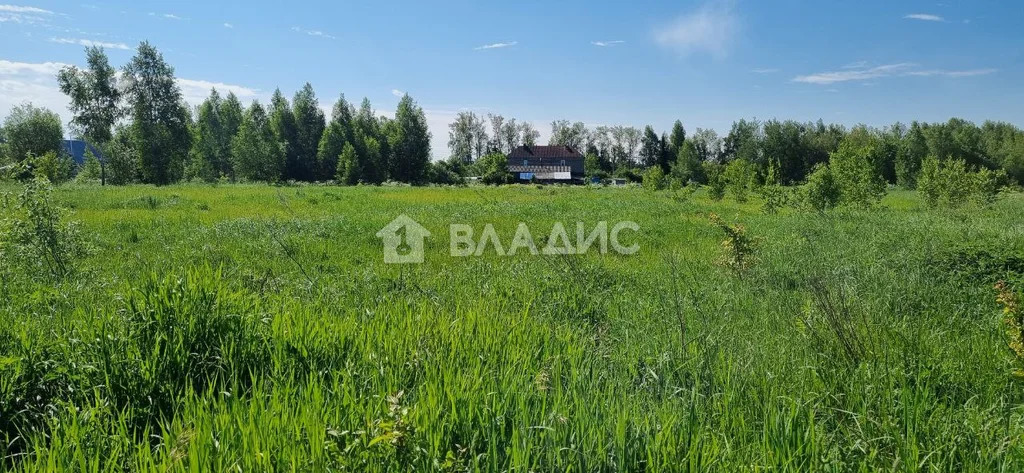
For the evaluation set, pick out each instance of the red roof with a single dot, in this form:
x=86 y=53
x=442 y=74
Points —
x=556 y=152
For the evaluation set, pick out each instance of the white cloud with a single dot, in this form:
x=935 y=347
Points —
x=855 y=74
x=954 y=74
x=497 y=45
x=397 y=93
x=9 y=68
x=711 y=29
x=858 y=72
x=924 y=17
x=764 y=70
x=605 y=44
x=195 y=91
x=313 y=32
x=228 y=25
x=90 y=43
x=24 y=15
x=22 y=82
x=22 y=9
x=172 y=16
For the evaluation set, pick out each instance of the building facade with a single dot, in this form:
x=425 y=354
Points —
x=547 y=164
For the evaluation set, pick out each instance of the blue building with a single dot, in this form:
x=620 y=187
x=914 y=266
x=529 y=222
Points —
x=76 y=149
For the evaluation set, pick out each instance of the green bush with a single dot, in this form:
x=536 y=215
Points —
x=821 y=191
x=91 y=169
x=493 y=169
x=739 y=177
x=715 y=174
x=856 y=175
x=951 y=184
x=37 y=236
x=654 y=179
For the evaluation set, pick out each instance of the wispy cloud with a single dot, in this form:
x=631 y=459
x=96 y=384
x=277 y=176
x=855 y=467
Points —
x=924 y=17
x=24 y=15
x=711 y=29
x=497 y=45
x=228 y=25
x=605 y=44
x=397 y=93
x=169 y=16
x=954 y=74
x=195 y=91
x=764 y=70
x=318 y=33
x=23 y=9
x=90 y=43
x=44 y=68
x=853 y=73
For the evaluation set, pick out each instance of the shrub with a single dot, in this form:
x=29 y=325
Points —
x=986 y=186
x=37 y=236
x=654 y=178
x=715 y=174
x=687 y=166
x=739 y=177
x=493 y=169
x=951 y=184
x=1013 y=323
x=821 y=191
x=739 y=247
x=445 y=173
x=775 y=196
x=122 y=161
x=929 y=181
x=54 y=167
x=856 y=176
x=91 y=169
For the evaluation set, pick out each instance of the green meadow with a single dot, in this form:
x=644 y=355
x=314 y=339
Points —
x=257 y=328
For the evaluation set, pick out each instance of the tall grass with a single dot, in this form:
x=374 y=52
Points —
x=194 y=340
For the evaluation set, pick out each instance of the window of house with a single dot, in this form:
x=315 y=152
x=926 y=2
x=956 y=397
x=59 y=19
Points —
x=526 y=162
x=563 y=162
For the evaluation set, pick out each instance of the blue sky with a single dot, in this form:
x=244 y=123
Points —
x=601 y=62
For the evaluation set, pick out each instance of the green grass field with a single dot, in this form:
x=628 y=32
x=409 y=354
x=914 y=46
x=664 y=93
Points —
x=252 y=328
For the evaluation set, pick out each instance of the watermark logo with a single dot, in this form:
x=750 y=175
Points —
x=404 y=240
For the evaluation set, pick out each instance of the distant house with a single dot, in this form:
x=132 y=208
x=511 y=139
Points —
x=76 y=149
x=550 y=164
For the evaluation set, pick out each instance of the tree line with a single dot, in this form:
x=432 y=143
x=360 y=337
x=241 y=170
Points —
x=783 y=151
x=148 y=134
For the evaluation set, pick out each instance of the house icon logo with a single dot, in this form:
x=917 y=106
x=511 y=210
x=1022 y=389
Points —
x=403 y=241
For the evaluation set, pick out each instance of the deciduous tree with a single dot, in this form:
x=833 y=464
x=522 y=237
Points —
x=309 y=129
x=159 y=118
x=256 y=152
x=410 y=143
